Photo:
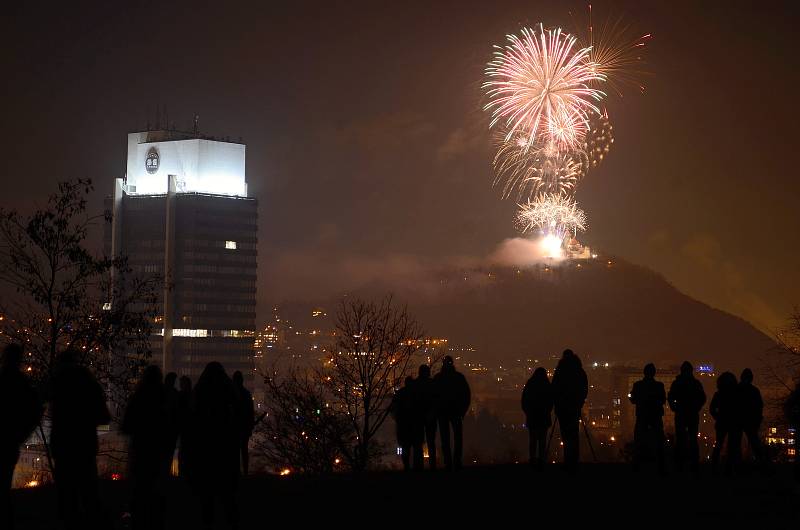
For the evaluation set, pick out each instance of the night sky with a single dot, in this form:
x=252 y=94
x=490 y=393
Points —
x=368 y=149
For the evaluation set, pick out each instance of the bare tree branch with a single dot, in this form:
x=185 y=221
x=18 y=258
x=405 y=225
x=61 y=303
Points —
x=375 y=345
x=66 y=298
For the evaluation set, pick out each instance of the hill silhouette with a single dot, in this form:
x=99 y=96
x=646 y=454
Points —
x=604 y=308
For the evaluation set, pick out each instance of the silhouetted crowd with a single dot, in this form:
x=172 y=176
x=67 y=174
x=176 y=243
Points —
x=737 y=408
x=565 y=395
x=209 y=425
x=425 y=404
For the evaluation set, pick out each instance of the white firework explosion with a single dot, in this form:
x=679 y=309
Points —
x=538 y=84
x=551 y=215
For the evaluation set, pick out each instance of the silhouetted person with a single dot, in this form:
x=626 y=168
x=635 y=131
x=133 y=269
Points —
x=172 y=427
x=245 y=418
x=147 y=423
x=454 y=399
x=686 y=399
x=77 y=408
x=723 y=409
x=751 y=413
x=537 y=403
x=215 y=444
x=426 y=402
x=570 y=387
x=791 y=410
x=185 y=410
x=409 y=436
x=649 y=397
x=20 y=412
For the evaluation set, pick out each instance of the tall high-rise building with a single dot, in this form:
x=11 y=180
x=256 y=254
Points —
x=182 y=212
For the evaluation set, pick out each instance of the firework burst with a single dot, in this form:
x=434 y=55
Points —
x=551 y=215
x=543 y=90
x=526 y=172
x=598 y=140
x=538 y=85
x=615 y=53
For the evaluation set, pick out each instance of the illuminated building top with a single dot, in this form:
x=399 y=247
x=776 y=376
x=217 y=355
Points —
x=200 y=165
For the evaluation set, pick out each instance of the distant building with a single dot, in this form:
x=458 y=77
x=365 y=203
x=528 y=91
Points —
x=623 y=413
x=780 y=442
x=182 y=212
x=31 y=469
x=265 y=347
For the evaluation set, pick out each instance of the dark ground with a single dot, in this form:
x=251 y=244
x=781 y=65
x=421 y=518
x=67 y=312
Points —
x=608 y=493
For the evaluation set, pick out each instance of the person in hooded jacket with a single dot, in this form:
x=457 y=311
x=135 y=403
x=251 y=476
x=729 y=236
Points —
x=570 y=387
x=214 y=469
x=77 y=409
x=146 y=422
x=751 y=413
x=724 y=410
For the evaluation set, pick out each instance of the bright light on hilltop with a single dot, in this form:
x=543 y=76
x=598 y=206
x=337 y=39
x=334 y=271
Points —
x=551 y=246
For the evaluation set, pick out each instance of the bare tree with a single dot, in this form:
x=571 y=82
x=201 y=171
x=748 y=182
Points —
x=300 y=430
x=783 y=362
x=66 y=299
x=375 y=345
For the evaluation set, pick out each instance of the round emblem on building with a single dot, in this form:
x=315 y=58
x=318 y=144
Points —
x=152 y=161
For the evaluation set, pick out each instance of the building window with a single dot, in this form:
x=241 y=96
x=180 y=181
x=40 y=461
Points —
x=230 y=245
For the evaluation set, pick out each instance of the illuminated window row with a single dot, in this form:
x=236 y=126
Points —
x=204 y=333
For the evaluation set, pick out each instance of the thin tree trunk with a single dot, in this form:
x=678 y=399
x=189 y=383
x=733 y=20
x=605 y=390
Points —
x=47 y=450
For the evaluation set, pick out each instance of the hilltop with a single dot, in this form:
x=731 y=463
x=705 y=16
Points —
x=603 y=308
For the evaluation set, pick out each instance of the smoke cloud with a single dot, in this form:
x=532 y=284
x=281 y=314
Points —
x=314 y=275
x=524 y=252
